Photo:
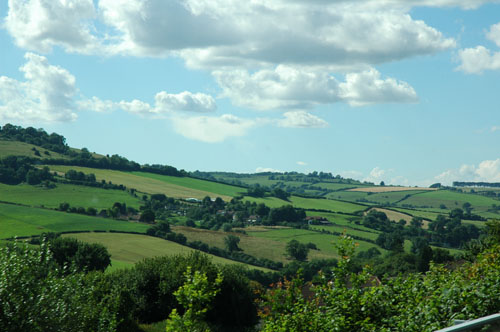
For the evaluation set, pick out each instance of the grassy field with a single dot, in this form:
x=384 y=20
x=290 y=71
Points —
x=451 y=200
x=25 y=221
x=72 y=194
x=272 y=202
x=384 y=189
x=142 y=183
x=324 y=242
x=131 y=248
x=15 y=148
x=252 y=244
x=351 y=196
x=349 y=231
x=391 y=197
x=419 y=213
x=208 y=186
x=325 y=204
x=343 y=220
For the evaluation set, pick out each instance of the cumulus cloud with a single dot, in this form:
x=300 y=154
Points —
x=301 y=163
x=41 y=24
x=223 y=33
x=486 y=171
x=185 y=101
x=165 y=104
x=292 y=87
x=478 y=59
x=45 y=96
x=368 y=88
x=495 y=128
x=212 y=129
x=301 y=119
x=376 y=175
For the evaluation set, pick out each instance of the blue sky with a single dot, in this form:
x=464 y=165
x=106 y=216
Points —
x=401 y=91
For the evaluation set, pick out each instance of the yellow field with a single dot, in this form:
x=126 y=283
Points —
x=381 y=189
x=140 y=183
x=397 y=216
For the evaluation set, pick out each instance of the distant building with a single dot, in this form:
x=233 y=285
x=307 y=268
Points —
x=317 y=220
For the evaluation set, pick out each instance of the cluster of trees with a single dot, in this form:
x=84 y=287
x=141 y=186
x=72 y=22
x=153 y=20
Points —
x=445 y=231
x=39 y=137
x=38 y=295
x=15 y=170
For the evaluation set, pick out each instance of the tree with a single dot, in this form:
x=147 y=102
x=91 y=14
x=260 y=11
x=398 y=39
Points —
x=231 y=242
x=297 y=250
x=147 y=216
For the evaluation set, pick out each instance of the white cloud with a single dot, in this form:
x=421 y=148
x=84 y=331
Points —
x=288 y=87
x=267 y=170
x=368 y=88
x=478 y=59
x=495 y=128
x=97 y=105
x=165 y=104
x=45 y=96
x=494 y=34
x=41 y=24
x=376 y=175
x=301 y=119
x=212 y=129
x=486 y=171
x=184 y=101
x=224 y=33
x=301 y=163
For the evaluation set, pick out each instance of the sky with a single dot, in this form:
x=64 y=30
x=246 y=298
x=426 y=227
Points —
x=401 y=91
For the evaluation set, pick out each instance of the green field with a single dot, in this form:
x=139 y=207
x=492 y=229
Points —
x=132 y=248
x=15 y=148
x=252 y=244
x=25 y=221
x=325 y=204
x=74 y=195
x=324 y=242
x=272 y=202
x=451 y=200
x=420 y=213
x=208 y=186
x=335 y=185
x=351 y=196
x=143 y=184
x=349 y=231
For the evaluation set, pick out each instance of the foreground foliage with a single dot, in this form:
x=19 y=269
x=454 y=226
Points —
x=345 y=301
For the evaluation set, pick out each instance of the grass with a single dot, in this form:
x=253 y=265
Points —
x=208 y=186
x=335 y=186
x=325 y=204
x=74 y=195
x=142 y=183
x=351 y=196
x=451 y=200
x=349 y=231
x=132 y=248
x=391 y=197
x=272 y=202
x=419 y=213
x=324 y=242
x=25 y=221
x=383 y=189
x=16 y=148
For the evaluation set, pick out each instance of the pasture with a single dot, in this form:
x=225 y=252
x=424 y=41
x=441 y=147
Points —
x=77 y=196
x=325 y=204
x=132 y=248
x=26 y=221
x=197 y=184
x=16 y=148
x=384 y=189
x=324 y=242
x=142 y=184
x=451 y=200
x=386 y=198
